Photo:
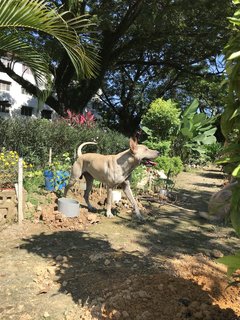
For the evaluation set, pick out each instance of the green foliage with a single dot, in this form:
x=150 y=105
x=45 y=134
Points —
x=163 y=147
x=233 y=264
x=8 y=168
x=230 y=120
x=137 y=175
x=230 y=125
x=162 y=118
x=196 y=131
x=170 y=165
x=61 y=162
x=33 y=181
x=213 y=151
x=32 y=139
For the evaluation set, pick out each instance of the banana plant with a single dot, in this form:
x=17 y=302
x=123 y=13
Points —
x=196 y=129
x=230 y=120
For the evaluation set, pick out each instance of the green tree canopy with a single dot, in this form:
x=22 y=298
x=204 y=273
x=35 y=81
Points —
x=147 y=49
x=162 y=118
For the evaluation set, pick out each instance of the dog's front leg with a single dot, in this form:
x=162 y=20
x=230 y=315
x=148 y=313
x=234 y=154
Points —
x=109 y=202
x=127 y=190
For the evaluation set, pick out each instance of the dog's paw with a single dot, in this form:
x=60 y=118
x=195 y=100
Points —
x=140 y=218
x=92 y=209
x=110 y=215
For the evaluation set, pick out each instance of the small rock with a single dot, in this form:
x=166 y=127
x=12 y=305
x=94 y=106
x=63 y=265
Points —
x=107 y=262
x=126 y=261
x=146 y=315
x=92 y=218
x=59 y=258
x=116 y=314
x=125 y=314
x=51 y=270
x=217 y=253
x=142 y=294
x=46 y=315
x=160 y=287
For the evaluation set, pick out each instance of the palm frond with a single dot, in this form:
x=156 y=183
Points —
x=34 y=60
x=36 y=15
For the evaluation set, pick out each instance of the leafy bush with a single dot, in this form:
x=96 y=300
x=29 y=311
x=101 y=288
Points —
x=33 y=181
x=32 y=138
x=163 y=147
x=162 y=118
x=9 y=168
x=196 y=131
x=213 y=151
x=170 y=165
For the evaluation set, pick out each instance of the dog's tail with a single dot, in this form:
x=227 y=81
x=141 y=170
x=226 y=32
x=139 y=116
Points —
x=79 y=150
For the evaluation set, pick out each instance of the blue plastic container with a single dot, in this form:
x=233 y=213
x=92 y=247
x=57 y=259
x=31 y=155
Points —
x=57 y=181
x=49 y=180
x=61 y=179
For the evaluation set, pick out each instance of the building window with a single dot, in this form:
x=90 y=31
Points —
x=26 y=111
x=46 y=114
x=5 y=85
x=4 y=106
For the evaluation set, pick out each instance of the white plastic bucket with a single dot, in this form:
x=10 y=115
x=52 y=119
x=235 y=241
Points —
x=69 y=207
x=116 y=195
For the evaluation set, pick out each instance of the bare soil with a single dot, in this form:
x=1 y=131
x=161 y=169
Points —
x=95 y=268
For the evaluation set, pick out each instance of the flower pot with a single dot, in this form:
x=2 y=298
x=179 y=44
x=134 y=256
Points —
x=69 y=207
x=163 y=192
x=116 y=195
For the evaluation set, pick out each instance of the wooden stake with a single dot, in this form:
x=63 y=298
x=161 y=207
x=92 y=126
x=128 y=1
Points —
x=50 y=156
x=20 y=190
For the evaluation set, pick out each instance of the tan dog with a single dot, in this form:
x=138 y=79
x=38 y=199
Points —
x=112 y=170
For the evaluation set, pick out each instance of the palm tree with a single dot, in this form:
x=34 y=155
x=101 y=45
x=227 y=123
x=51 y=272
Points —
x=18 y=18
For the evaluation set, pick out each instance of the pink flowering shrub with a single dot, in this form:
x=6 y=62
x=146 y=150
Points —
x=75 y=119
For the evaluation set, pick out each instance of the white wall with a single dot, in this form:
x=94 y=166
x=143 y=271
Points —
x=16 y=98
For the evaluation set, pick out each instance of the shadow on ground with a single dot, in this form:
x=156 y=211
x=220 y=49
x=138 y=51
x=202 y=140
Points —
x=91 y=271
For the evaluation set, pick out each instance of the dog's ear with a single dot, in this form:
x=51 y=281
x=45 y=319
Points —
x=133 y=144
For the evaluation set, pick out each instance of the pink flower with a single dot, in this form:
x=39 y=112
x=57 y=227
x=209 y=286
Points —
x=79 y=119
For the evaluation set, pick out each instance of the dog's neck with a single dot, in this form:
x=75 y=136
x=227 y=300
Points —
x=127 y=161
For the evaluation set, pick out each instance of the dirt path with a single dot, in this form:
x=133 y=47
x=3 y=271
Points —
x=119 y=269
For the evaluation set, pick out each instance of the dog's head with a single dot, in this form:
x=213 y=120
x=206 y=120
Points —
x=142 y=153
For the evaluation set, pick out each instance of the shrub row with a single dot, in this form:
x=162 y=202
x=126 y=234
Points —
x=32 y=138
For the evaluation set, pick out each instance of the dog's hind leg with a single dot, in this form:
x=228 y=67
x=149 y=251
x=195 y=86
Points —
x=89 y=184
x=75 y=175
x=127 y=190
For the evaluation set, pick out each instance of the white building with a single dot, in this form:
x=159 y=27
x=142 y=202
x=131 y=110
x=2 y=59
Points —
x=14 y=100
